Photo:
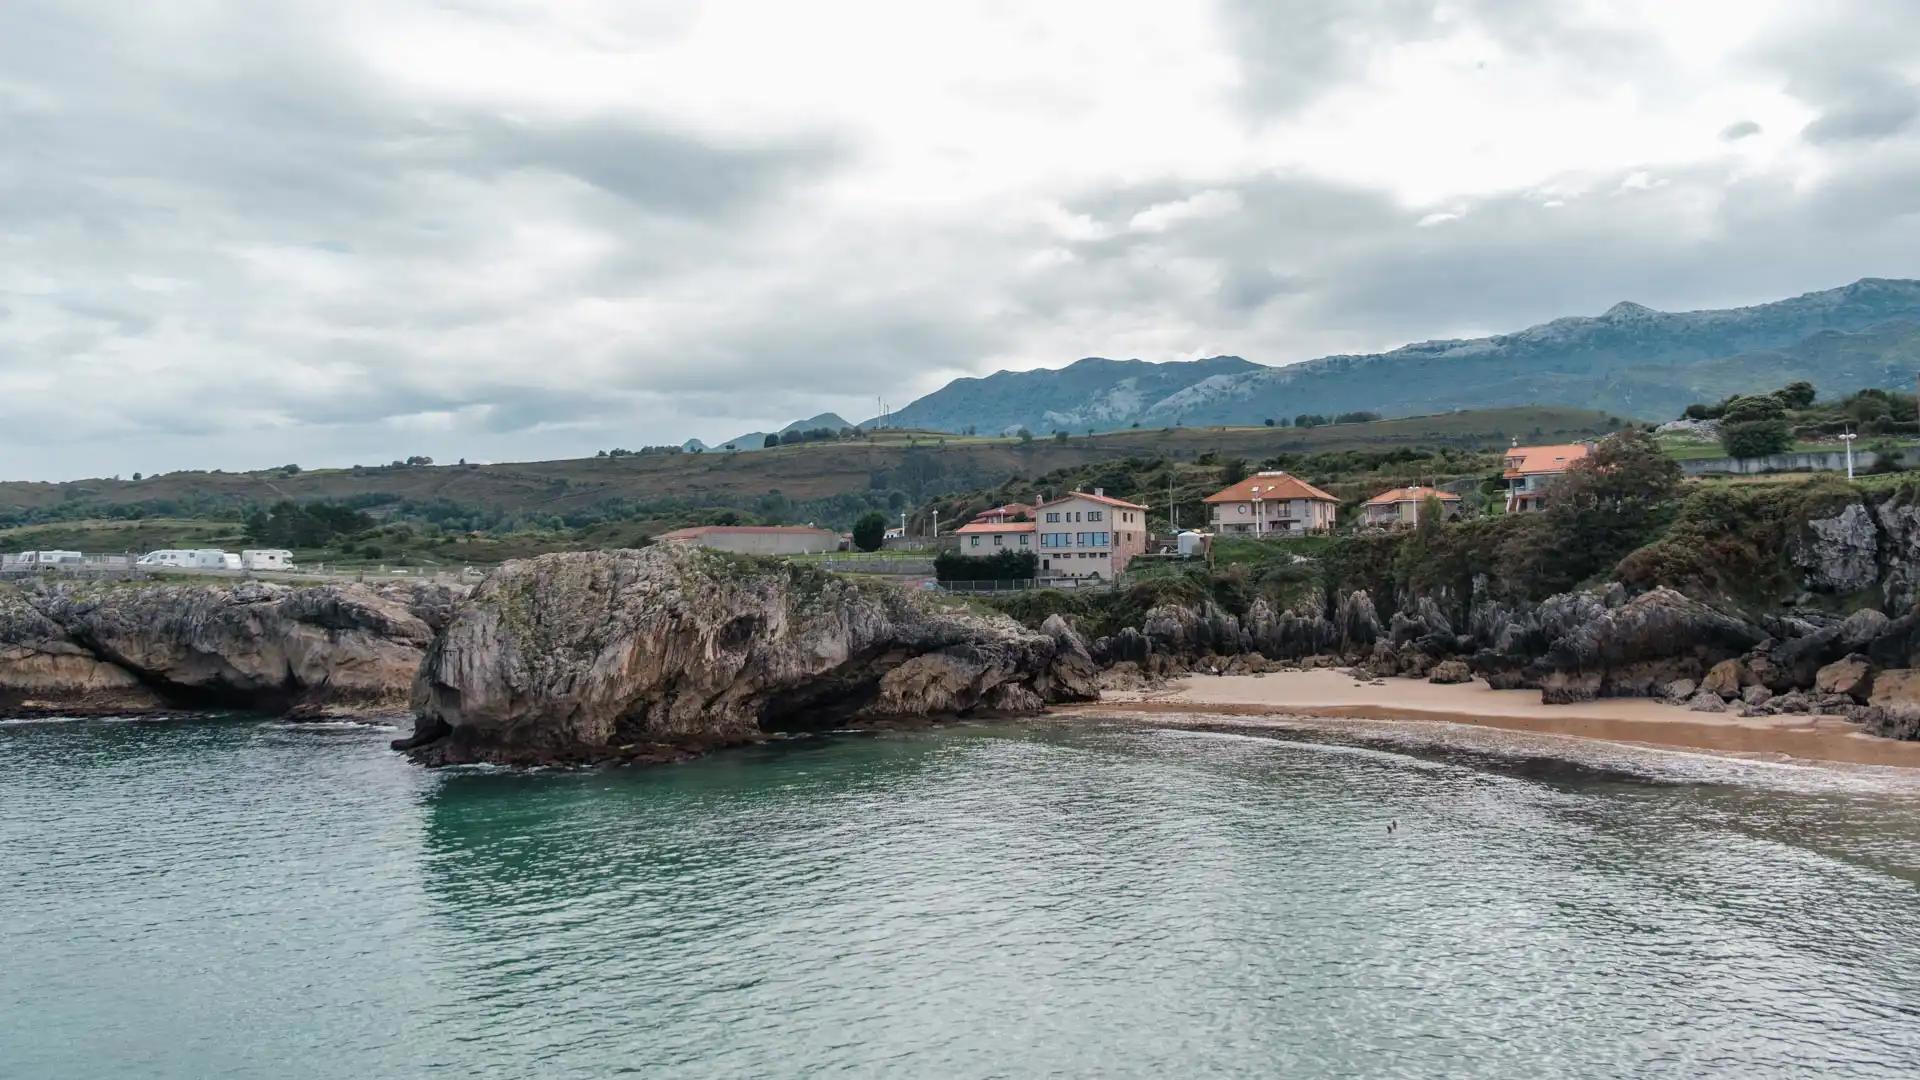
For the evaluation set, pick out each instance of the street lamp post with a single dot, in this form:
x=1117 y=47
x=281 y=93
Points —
x=1848 y=437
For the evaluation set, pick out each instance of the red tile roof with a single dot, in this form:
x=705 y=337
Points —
x=996 y=527
x=1270 y=485
x=1104 y=500
x=1411 y=494
x=1008 y=510
x=1543 y=459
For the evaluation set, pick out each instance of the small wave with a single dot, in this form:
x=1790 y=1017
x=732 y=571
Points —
x=24 y=721
x=330 y=725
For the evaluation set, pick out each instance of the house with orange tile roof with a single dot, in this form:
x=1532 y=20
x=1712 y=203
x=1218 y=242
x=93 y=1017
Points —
x=1000 y=515
x=1531 y=470
x=981 y=537
x=1273 y=503
x=1089 y=535
x=1402 y=505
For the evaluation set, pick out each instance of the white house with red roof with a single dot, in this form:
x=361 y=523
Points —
x=1402 y=505
x=1079 y=536
x=1531 y=470
x=981 y=537
x=1089 y=534
x=1272 y=503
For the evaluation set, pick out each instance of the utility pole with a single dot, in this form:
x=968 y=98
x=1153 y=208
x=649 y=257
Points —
x=1173 y=512
x=1848 y=437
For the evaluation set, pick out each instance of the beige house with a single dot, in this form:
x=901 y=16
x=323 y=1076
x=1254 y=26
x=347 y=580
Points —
x=756 y=539
x=1083 y=536
x=1269 y=504
x=1401 y=506
x=1531 y=470
x=983 y=537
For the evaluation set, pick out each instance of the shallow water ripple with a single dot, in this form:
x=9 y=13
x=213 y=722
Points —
x=236 y=898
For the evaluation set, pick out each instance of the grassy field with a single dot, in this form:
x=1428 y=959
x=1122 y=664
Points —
x=118 y=537
x=806 y=471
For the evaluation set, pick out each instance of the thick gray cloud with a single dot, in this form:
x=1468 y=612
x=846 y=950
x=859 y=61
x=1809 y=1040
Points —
x=235 y=235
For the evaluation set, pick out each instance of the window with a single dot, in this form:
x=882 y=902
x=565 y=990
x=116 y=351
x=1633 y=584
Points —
x=996 y=540
x=1053 y=518
x=973 y=541
x=1243 y=508
x=1023 y=540
x=1093 y=515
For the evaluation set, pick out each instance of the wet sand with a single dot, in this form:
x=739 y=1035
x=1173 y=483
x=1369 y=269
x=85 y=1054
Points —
x=1639 y=721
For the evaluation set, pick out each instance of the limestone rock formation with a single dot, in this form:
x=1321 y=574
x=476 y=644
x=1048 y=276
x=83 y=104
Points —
x=41 y=668
x=1841 y=553
x=246 y=645
x=1639 y=647
x=1850 y=677
x=1726 y=678
x=638 y=654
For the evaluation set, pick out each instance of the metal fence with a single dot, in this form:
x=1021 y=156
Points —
x=1022 y=585
x=871 y=564
x=121 y=566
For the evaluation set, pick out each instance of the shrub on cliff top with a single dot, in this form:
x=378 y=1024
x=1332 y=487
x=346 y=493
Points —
x=870 y=531
x=1735 y=541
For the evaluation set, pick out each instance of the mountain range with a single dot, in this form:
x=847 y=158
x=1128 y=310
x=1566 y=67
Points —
x=1630 y=360
x=757 y=440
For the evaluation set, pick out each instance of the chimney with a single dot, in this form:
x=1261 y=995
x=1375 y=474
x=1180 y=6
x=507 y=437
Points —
x=1099 y=491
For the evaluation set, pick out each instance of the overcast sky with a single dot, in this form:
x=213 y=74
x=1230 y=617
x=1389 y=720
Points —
x=242 y=234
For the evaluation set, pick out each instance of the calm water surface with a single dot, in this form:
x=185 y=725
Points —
x=237 y=898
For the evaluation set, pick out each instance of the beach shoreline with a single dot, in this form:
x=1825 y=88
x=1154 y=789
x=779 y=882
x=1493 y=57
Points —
x=1327 y=695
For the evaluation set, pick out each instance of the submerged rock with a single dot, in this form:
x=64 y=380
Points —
x=609 y=655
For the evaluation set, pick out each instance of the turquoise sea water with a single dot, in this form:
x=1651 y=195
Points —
x=239 y=898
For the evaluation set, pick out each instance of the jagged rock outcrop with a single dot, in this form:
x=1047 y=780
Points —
x=41 y=668
x=628 y=655
x=1637 y=648
x=248 y=645
x=1841 y=553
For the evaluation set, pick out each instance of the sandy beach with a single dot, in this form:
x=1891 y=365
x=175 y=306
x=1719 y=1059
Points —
x=1329 y=694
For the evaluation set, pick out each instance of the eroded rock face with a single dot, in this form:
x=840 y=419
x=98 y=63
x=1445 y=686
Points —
x=1851 y=677
x=247 y=645
x=1841 y=553
x=1635 y=649
x=611 y=655
x=41 y=668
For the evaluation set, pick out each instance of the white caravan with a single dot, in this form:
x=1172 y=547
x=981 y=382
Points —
x=47 y=558
x=199 y=559
x=267 y=559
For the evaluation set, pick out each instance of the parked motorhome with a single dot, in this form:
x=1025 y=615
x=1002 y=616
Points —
x=267 y=559
x=47 y=558
x=229 y=561
x=198 y=559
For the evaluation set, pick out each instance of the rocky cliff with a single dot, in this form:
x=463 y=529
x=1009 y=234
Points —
x=252 y=645
x=1824 y=644
x=636 y=655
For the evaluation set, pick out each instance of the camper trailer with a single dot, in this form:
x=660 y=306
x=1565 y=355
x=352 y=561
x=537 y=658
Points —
x=47 y=558
x=267 y=559
x=199 y=559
